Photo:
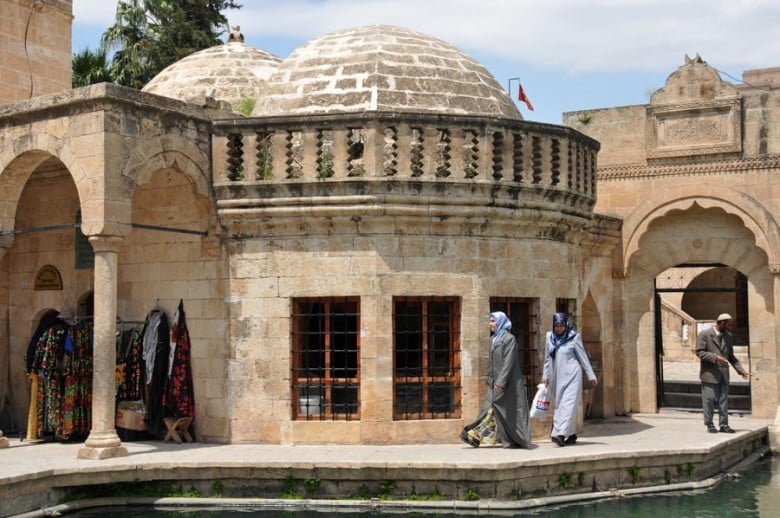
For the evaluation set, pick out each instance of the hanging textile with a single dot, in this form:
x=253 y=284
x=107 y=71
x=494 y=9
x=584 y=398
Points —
x=77 y=382
x=178 y=398
x=61 y=369
x=156 y=348
x=47 y=363
x=131 y=386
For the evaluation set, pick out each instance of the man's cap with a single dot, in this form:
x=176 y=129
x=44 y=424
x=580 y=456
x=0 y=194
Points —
x=724 y=316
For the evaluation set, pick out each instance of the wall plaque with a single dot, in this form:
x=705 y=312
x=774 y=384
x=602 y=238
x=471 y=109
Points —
x=700 y=128
x=48 y=278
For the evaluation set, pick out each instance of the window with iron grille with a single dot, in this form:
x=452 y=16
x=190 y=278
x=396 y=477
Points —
x=426 y=358
x=326 y=358
x=523 y=312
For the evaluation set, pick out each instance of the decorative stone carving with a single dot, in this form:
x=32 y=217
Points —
x=694 y=129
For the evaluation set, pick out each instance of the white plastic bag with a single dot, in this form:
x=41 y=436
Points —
x=541 y=403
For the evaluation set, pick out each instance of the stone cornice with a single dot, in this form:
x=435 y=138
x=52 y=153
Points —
x=638 y=171
x=48 y=7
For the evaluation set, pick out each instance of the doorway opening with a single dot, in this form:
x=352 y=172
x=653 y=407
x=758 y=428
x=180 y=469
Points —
x=688 y=298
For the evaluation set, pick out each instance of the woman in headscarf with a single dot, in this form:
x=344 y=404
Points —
x=563 y=365
x=504 y=414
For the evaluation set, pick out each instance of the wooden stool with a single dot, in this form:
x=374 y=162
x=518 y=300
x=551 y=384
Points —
x=176 y=427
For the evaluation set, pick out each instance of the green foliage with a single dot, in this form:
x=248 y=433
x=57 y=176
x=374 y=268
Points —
x=217 y=487
x=580 y=479
x=584 y=118
x=435 y=496
x=471 y=494
x=149 y=35
x=363 y=493
x=684 y=469
x=90 y=67
x=386 y=487
x=565 y=480
x=311 y=486
x=635 y=472
x=245 y=106
x=325 y=164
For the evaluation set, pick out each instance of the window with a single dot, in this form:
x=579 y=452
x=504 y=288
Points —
x=84 y=256
x=326 y=359
x=426 y=363
x=524 y=314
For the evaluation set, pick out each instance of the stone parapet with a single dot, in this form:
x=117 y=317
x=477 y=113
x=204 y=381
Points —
x=401 y=165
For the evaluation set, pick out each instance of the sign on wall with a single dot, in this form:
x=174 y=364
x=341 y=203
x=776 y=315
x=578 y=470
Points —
x=48 y=278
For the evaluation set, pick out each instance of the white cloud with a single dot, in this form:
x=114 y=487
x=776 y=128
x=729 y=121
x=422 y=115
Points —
x=572 y=35
x=94 y=13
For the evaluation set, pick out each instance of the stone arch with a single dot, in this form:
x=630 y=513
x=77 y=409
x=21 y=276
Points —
x=753 y=214
x=17 y=163
x=590 y=329
x=667 y=242
x=167 y=152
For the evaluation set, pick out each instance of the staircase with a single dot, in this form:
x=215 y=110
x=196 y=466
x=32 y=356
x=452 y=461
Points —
x=687 y=395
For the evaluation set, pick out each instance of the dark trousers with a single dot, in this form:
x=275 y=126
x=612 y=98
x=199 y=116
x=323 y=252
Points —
x=712 y=393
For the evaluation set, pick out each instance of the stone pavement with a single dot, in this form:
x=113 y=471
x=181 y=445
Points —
x=638 y=440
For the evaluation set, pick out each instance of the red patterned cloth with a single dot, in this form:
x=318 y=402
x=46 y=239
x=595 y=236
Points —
x=178 y=398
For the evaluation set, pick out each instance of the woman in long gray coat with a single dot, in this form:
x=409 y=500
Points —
x=563 y=365
x=504 y=414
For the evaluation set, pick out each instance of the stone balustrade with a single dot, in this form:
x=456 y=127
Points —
x=254 y=158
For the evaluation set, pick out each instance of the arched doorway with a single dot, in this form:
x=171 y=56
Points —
x=695 y=236
x=688 y=299
x=590 y=328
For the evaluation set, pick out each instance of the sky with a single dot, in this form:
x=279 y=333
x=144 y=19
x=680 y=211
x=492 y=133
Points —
x=568 y=54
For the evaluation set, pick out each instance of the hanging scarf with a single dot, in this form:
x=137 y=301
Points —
x=502 y=324
x=558 y=340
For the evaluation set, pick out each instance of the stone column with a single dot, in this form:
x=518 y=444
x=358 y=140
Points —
x=103 y=441
x=774 y=428
x=5 y=244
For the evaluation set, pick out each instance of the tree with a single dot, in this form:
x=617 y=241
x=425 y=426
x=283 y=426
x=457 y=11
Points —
x=90 y=67
x=149 y=35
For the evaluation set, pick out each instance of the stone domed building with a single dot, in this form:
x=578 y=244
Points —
x=337 y=252
x=234 y=73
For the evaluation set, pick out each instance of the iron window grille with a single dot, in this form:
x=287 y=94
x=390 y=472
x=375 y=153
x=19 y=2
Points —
x=326 y=359
x=524 y=314
x=426 y=358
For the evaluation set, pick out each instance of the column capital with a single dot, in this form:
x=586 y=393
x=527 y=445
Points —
x=774 y=268
x=104 y=243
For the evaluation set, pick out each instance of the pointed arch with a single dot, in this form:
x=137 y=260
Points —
x=753 y=214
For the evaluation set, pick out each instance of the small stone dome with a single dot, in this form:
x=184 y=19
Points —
x=234 y=72
x=383 y=69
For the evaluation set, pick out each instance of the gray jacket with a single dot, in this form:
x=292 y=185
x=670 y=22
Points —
x=708 y=346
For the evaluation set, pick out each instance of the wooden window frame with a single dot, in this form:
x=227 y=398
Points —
x=326 y=383
x=426 y=380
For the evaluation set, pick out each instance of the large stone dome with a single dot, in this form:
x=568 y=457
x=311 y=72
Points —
x=234 y=72
x=382 y=68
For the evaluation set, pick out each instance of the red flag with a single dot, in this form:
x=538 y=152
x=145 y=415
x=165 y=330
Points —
x=522 y=97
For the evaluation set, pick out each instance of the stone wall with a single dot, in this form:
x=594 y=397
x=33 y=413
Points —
x=375 y=264
x=693 y=176
x=35 y=57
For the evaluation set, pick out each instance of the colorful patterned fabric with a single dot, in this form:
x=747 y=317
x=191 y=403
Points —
x=484 y=432
x=131 y=388
x=178 y=399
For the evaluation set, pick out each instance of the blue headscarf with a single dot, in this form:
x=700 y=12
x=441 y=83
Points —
x=560 y=339
x=502 y=324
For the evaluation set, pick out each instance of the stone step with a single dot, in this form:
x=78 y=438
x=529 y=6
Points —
x=693 y=401
x=687 y=387
x=680 y=394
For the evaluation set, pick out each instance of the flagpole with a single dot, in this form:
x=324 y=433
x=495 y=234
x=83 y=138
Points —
x=509 y=85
